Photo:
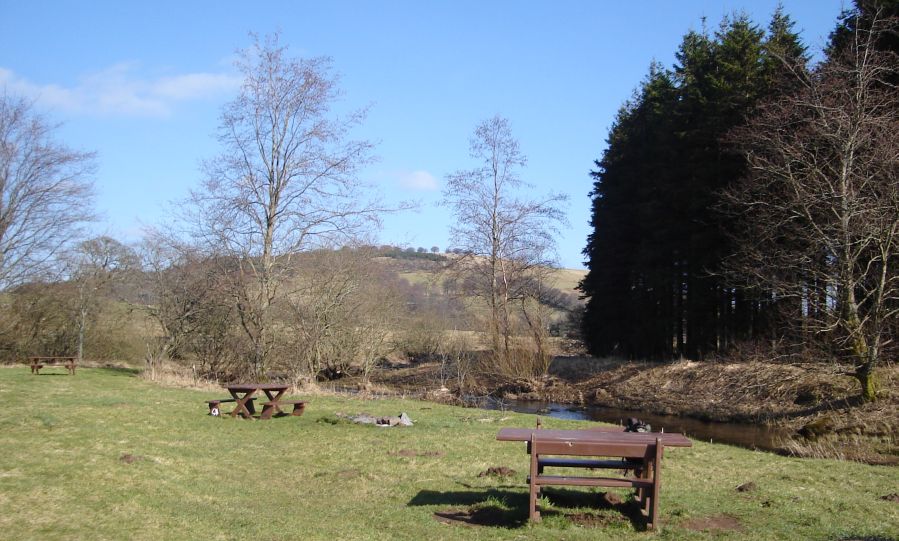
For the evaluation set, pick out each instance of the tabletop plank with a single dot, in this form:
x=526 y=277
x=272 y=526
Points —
x=669 y=439
x=246 y=387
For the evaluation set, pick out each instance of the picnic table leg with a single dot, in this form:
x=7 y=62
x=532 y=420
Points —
x=241 y=408
x=267 y=411
x=274 y=400
x=642 y=472
x=656 y=486
x=533 y=488
x=645 y=497
x=272 y=406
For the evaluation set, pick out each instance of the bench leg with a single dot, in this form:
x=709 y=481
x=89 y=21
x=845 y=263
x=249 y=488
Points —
x=654 y=498
x=533 y=513
x=214 y=409
x=267 y=411
x=298 y=409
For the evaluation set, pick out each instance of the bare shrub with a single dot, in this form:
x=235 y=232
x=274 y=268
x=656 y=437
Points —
x=457 y=361
x=341 y=314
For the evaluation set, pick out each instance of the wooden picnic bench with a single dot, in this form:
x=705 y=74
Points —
x=268 y=408
x=242 y=396
x=637 y=455
x=36 y=363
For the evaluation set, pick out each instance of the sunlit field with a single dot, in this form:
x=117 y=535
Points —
x=108 y=455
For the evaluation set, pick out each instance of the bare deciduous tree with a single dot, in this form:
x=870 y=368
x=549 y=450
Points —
x=94 y=264
x=45 y=192
x=508 y=239
x=821 y=203
x=190 y=309
x=285 y=180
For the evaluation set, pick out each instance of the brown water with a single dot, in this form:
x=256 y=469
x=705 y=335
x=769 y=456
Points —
x=742 y=435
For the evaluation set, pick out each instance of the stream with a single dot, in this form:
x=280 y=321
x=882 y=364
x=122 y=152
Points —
x=750 y=436
x=742 y=435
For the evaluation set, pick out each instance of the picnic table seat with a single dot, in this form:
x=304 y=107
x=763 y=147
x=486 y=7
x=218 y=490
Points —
x=268 y=408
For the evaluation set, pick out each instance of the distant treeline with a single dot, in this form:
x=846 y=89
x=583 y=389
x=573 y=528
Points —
x=397 y=252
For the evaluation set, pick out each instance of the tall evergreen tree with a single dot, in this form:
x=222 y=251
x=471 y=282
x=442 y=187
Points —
x=627 y=249
x=654 y=288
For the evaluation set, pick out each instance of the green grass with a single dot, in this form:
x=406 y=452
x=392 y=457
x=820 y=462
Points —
x=106 y=455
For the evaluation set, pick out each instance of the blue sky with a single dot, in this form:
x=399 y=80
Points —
x=142 y=84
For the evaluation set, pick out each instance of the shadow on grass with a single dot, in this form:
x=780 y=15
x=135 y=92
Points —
x=482 y=509
x=628 y=509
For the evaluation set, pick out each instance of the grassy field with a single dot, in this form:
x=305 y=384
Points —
x=107 y=455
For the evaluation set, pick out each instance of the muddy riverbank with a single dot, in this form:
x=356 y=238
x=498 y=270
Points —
x=814 y=407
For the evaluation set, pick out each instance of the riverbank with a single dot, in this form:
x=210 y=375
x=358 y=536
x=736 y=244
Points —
x=814 y=405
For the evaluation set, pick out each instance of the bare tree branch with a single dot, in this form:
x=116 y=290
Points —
x=45 y=193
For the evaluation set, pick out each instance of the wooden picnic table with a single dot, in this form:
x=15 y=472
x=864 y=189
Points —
x=242 y=393
x=36 y=363
x=638 y=452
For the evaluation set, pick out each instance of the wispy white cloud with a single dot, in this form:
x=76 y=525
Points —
x=121 y=90
x=195 y=85
x=420 y=181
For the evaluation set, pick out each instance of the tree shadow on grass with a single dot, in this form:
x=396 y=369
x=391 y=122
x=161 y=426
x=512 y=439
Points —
x=480 y=508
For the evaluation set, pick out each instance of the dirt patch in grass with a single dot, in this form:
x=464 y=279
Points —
x=481 y=516
x=497 y=471
x=716 y=523
x=127 y=458
x=891 y=497
x=590 y=520
x=854 y=538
